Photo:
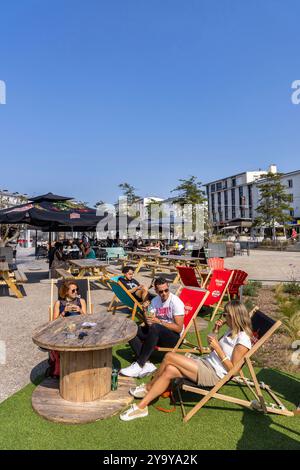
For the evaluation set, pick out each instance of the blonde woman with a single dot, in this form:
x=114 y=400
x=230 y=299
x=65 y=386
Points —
x=205 y=371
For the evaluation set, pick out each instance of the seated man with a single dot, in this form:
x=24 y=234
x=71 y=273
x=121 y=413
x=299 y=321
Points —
x=138 y=291
x=162 y=329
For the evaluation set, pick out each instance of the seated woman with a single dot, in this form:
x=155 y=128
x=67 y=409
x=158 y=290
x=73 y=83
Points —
x=88 y=251
x=204 y=371
x=69 y=304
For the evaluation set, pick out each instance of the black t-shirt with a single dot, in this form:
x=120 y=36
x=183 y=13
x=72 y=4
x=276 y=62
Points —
x=129 y=284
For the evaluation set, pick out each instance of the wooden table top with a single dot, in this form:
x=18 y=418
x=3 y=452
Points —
x=4 y=266
x=109 y=331
x=144 y=254
x=88 y=263
x=181 y=257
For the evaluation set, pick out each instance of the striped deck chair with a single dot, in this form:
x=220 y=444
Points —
x=263 y=328
x=216 y=263
x=123 y=298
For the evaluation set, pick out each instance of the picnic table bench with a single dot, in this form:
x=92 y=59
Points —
x=63 y=273
x=20 y=276
x=8 y=277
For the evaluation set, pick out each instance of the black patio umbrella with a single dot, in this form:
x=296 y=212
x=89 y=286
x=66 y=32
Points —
x=53 y=213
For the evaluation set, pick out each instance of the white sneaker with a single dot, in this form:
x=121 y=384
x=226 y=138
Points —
x=133 y=413
x=139 y=392
x=148 y=369
x=132 y=371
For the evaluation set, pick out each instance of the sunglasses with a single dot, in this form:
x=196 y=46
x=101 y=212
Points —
x=163 y=291
x=74 y=290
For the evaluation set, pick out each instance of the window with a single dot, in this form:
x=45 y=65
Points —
x=233 y=182
x=207 y=190
x=219 y=186
x=226 y=204
x=213 y=203
x=292 y=212
x=291 y=198
x=219 y=199
x=290 y=183
x=225 y=184
x=212 y=188
x=233 y=203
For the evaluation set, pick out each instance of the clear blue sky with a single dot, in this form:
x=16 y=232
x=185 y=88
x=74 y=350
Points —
x=145 y=91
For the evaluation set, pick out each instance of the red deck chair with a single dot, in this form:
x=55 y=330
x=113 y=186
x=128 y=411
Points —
x=216 y=263
x=188 y=277
x=238 y=279
x=193 y=299
x=218 y=286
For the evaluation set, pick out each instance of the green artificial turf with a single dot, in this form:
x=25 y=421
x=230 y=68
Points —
x=218 y=425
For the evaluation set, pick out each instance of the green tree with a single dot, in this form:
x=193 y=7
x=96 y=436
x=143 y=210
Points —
x=274 y=203
x=190 y=193
x=10 y=232
x=129 y=192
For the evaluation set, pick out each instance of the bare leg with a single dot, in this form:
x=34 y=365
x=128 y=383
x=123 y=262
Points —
x=142 y=294
x=170 y=358
x=175 y=366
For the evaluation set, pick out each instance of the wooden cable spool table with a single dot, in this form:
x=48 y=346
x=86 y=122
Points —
x=83 y=393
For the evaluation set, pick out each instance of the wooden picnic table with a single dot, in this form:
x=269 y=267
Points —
x=8 y=278
x=89 y=267
x=84 y=390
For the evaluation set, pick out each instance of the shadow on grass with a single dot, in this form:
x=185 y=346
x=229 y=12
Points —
x=37 y=374
x=261 y=431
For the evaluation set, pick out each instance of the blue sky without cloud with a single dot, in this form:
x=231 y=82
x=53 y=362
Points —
x=145 y=91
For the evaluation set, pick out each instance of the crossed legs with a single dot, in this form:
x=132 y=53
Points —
x=173 y=366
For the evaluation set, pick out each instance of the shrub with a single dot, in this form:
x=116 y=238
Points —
x=292 y=325
x=251 y=288
x=292 y=287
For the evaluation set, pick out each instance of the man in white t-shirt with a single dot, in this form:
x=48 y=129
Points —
x=163 y=328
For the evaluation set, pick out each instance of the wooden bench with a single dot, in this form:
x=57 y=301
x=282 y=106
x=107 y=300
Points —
x=20 y=276
x=114 y=271
x=63 y=273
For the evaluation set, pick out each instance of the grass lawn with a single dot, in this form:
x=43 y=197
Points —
x=218 y=425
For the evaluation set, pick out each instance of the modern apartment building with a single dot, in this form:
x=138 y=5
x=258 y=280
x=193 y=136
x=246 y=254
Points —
x=232 y=201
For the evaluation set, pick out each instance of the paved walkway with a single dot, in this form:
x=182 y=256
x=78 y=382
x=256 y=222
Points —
x=268 y=265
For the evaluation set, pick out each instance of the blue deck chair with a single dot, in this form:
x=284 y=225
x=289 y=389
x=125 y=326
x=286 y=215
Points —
x=124 y=297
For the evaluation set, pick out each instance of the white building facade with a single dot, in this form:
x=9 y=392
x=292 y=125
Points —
x=230 y=200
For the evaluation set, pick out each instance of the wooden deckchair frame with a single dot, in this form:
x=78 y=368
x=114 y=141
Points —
x=215 y=311
x=90 y=307
x=260 y=405
x=199 y=349
x=113 y=306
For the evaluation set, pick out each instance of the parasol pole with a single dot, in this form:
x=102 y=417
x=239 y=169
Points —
x=36 y=244
x=50 y=237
